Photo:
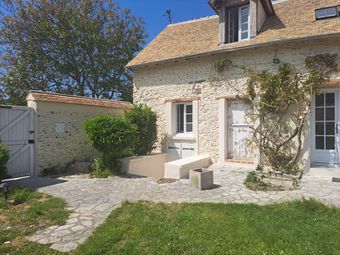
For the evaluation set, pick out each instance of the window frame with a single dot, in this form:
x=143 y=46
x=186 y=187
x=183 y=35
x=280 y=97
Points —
x=240 y=23
x=185 y=132
x=337 y=12
x=230 y=37
x=324 y=121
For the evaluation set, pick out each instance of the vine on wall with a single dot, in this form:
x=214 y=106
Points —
x=280 y=106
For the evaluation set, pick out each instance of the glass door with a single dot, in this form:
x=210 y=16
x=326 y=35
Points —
x=325 y=129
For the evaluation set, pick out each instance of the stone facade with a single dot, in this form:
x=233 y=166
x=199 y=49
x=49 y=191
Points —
x=155 y=84
x=54 y=148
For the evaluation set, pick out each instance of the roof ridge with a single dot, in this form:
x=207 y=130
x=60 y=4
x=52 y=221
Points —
x=193 y=20
x=75 y=96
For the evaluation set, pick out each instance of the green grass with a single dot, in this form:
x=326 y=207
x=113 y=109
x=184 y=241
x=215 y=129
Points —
x=34 y=211
x=302 y=227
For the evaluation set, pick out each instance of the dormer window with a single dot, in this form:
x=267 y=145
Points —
x=326 y=13
x=238 y=24
x=241 y=20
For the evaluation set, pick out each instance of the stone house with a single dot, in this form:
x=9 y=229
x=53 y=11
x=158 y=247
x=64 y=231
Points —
x=174 y=75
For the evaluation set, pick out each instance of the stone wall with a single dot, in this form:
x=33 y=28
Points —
x=155 y=84
x=54 y=149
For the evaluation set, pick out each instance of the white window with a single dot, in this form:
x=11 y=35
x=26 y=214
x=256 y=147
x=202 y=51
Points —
x=326 y=13
x=243 y=23
x=238 y=23
x=184 y=118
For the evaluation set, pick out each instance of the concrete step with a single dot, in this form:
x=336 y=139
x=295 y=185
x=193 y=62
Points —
x=179 y=169
x=324 y=171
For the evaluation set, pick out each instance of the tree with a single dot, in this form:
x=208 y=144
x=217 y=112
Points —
x=68 y=46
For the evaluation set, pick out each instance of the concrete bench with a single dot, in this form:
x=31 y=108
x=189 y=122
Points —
x=180 y=168
x=151 y=165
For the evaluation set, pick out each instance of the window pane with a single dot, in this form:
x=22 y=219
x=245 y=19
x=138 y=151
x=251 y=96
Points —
x=319 y=128
x=180 y=118
x=244 y=11
x=330 y=143
x=330 y=99
x=189 y=108
x=244 y=21
x=319 y=114
x=320 y=142
x=330 y=113
x=189 y=127
x=244 y=35
x=189 y=118
x=331 y=12
x=244 y=27
x=330 y=128
x=244 y=18
x=233 y=25
x=320 y=100
x=326 y=13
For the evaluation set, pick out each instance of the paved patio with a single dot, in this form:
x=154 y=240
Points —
x=92 y=200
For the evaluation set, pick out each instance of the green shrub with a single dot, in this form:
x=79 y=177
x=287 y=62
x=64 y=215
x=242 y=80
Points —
x=104 y=168
x=4 y=157
x=20 y=195
x=259 y=168
x=113 y=137
x=145 y=119
x=252 y=178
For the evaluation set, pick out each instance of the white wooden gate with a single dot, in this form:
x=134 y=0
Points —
x=239 y=132
x=17 y=133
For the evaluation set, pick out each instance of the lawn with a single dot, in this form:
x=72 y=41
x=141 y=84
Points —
x=35 y=211
x=302 y=227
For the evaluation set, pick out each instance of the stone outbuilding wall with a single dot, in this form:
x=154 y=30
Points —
x=59 y=120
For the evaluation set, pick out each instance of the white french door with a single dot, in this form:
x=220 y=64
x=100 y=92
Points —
x=239 y=132
x=325 y=128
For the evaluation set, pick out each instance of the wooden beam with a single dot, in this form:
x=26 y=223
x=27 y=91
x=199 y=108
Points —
x=230 y=97
x=234 y=3
x=334 y=83
x=182 y=100
x=253 y=19
x=222 y=25
x=268 y=7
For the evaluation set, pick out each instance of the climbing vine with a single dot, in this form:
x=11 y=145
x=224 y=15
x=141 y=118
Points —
x=280 y=105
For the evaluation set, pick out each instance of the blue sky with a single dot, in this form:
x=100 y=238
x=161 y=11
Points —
x=152 y=12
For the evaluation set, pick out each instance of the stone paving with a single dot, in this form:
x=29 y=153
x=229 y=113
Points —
x=92 y=200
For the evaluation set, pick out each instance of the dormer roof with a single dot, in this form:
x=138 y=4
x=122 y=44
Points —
x=294 y=21
x=217 y=4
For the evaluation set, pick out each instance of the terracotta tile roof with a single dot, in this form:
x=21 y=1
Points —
x=69 y=99
x=294 y=20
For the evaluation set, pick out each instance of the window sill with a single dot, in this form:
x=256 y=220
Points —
x=186 y=137
x=235 y=44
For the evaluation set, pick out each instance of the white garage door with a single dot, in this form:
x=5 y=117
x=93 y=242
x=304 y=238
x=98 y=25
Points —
x=17 y=133
x=239 y=132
